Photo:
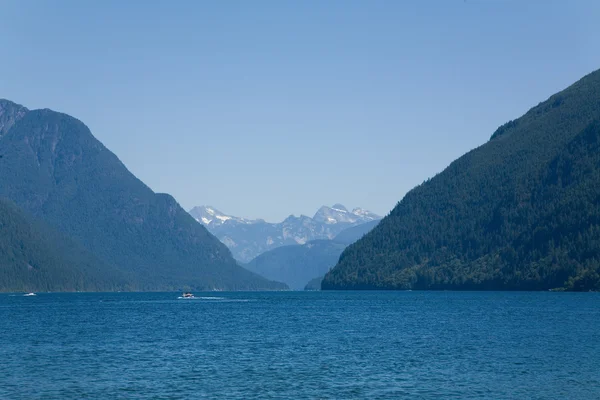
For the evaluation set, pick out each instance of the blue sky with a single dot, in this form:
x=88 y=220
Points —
x=268 y=108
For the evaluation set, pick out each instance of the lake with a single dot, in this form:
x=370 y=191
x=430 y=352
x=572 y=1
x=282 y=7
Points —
x=426 y=345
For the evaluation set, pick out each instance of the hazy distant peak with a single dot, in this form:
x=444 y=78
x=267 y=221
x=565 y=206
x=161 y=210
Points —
x=248 y=238
x=365 y=213
x=212 y=211
x=339 y=207
x=210 y=216
x=340 y=214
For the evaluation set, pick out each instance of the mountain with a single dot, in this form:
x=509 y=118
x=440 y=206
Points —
x=210 y=216
x=314 y=284
x=295 y=265
x=54 y=169
x=35 y=257
x=521 y=212
x=351 y=235
x=338 y=214
x=249 y=238
x=10 y=113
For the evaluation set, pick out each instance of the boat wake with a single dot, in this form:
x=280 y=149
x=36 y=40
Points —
x=201 y=298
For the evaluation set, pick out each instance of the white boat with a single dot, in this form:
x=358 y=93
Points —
x=186 y=295
x=29 y=294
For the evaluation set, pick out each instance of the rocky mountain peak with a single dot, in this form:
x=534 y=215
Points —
x=210 y=216
x=339 y=207
x=10 y=113
x=248 y=238
x=339 y=214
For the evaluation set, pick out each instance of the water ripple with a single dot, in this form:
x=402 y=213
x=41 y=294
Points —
x=382 y=345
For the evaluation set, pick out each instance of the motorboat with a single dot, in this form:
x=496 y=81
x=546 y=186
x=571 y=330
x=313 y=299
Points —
x=29 y=294
x=187 y=295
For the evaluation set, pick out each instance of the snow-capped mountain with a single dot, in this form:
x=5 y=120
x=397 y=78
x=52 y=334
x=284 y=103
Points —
x=248 y=238
x=208 y=215
x=339 y=214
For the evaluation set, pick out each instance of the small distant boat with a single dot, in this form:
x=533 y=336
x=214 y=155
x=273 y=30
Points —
x=187 y=295
x=29 y=294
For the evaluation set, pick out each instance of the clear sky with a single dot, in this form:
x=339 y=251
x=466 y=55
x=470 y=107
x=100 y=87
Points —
x=270 y=108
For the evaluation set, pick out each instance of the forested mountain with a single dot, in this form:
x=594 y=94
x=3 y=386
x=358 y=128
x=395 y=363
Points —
x=35 y=257
x=249 y=238
x=521 y=212
x=295 y=265
x=54 y=169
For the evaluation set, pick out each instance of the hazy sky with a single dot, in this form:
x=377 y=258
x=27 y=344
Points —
x=268 y=108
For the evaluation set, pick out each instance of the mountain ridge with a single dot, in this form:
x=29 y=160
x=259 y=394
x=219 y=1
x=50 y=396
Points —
x=249 y=238
x=519 y=212
x=296 y=264
x=10 y=113
x=56 y=170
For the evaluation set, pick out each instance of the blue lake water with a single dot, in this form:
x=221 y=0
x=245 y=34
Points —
x=463 y=345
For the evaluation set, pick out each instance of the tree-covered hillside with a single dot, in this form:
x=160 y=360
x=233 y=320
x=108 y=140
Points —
x=57 y=171
x=521 y=212
x=34 y=257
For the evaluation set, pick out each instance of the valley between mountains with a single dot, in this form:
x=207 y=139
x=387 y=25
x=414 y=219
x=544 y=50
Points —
x=520 y=212
x=294 y=251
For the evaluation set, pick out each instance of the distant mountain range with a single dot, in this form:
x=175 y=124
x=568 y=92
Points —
x=295 y=265
x=521 y=212
x=76 y=219
x=249 y=238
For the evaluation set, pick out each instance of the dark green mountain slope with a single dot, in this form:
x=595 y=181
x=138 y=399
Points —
x=56 y=170
x=34 y=257
x=295 y=265
x=521 y=212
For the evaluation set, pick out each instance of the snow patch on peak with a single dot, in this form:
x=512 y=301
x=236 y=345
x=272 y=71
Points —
x=247 y=238
x=300 y=240
x=210 y=215
x=339 y=207
x=365 y=214
x=229 y=242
